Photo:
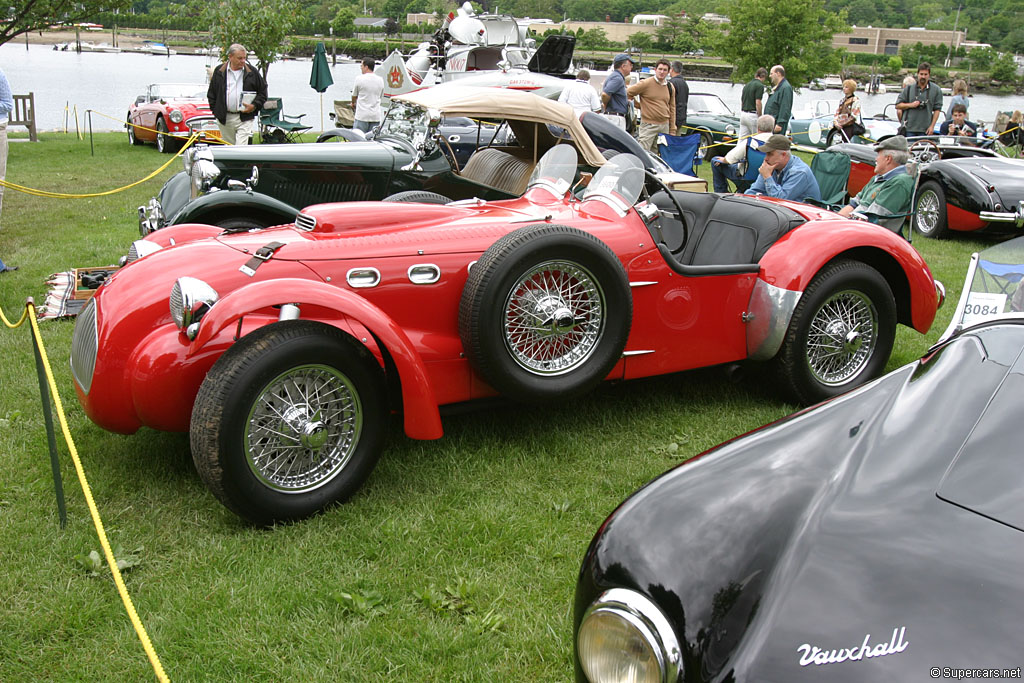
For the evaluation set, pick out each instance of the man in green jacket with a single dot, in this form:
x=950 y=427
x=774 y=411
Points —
x=890 y=192
x=780 y=102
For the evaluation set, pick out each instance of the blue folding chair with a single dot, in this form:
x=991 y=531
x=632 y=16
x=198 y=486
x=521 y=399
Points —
x=681 y=152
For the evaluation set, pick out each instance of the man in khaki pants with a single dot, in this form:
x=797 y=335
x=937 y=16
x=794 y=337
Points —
x=657 y=106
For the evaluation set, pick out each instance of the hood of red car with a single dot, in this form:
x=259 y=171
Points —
x=384 y=229
x=189 y=107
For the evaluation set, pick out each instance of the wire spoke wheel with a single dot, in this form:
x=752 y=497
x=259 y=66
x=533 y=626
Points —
x=554 y=317
x=842 y=337
x=303 y=428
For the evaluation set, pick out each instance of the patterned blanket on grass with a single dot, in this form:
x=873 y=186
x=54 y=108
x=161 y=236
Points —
x=59 y=303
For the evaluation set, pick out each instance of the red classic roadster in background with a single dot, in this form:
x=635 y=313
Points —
x=282 y=351
x=168 y=114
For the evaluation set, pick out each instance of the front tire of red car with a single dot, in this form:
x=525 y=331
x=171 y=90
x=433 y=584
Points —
x=289 y=421
x=545 y=313
x=841 y=333
x=164 y=142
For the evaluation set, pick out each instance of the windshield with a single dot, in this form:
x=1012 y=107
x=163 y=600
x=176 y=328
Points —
x=166 y=91
x=556 y=170
x=994 y=286
x=707 y=104
x=618 y=183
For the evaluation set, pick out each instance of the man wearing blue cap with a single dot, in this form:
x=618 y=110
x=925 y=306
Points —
x=613 y=95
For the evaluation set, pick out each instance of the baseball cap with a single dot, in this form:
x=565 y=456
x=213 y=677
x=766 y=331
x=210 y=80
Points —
x=776 y=143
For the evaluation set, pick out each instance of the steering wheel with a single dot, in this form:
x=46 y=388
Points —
x=446 y=150
x=661 y=184
x=925 y=151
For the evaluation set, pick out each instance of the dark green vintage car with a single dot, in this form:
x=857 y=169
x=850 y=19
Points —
x=256 y=186
x=718 y=126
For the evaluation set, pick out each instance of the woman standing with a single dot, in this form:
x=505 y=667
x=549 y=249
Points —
x=959 y=96
x=847 y=117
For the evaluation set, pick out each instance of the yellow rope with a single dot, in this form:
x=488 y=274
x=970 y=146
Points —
x=11 y=325
x=140 y=630
x=63 y=195
x=215 y=141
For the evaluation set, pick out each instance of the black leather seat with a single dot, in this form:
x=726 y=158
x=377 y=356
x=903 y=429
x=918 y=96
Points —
x=722 y=229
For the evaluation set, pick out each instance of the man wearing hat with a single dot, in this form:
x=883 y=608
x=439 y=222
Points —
x=613 y=95
x=783 y=175
x=891 y=189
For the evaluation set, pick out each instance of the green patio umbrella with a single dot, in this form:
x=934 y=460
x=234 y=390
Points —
x=320 y=79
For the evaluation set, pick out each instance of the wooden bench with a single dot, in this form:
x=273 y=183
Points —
x=24 y=114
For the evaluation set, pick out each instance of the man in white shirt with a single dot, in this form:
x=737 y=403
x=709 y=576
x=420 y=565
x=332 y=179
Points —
x=728 y=167
x=366 y=93
x=580 y=95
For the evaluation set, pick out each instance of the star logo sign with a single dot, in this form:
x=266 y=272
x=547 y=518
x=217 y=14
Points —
x=395 y=78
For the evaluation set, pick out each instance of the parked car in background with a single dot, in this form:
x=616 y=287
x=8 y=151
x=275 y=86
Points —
x=964 y=185
x=260 y=185
x=168 y=114
x=718 y=126
x=876 y=537
x=281 y=351
x=811 y=126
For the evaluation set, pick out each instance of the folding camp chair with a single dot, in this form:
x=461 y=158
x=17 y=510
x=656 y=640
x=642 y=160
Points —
x=275 y=126
x=832 y=171
x=914 y=170
x=681 y=152
x=755 y=158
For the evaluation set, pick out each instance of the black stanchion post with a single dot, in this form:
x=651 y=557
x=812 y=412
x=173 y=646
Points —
x=51 y=438
x=88 y=113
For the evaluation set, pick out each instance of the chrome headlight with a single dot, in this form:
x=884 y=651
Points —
x=730 y=129
x=176 y=116
x=624 y=637
x=204 y=172
x=139 y=249
x=191 y=298
x=196 y=151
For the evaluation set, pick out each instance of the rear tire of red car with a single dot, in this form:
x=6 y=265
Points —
x=930 y=210
x=289 y=421
x=841 y=333
x=132 y=137
x=545 y=313
x=164 y=142
x=417 y=197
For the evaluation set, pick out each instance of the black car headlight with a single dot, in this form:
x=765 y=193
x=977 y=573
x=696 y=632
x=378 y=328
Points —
x=204 y=172
x=625 y=637
x=191 y=298
x=176 y=116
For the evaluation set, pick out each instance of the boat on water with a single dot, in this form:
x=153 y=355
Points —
x=154 y=48
x=86 y=46
x=833 y=81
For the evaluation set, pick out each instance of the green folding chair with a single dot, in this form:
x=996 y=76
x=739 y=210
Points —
x=275 y=126
x=832 y=171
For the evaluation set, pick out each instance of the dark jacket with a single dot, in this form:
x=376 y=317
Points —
x=218 y=90
x=682 y=95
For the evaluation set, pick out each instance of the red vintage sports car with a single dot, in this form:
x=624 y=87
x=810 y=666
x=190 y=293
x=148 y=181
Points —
x=168 y=114
x=282 y=351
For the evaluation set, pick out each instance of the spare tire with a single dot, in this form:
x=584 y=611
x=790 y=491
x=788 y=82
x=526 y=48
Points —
x=545 y=313
x=417 y=197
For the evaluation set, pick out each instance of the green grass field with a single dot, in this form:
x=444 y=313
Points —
x=456 y=562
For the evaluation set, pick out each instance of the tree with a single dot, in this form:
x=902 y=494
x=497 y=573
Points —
x=344 y=23
x=670 y=30
x=1004 y=68
x=24 y=16
x=263 y=27
x=640 y=39
x=797 y=34
x=594 y=39
x=895 y=64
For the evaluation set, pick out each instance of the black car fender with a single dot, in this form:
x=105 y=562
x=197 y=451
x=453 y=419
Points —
x=223 y=204
x=963 y=189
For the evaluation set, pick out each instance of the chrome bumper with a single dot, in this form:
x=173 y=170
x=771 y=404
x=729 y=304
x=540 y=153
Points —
x=1016 y=217
x=151 y=217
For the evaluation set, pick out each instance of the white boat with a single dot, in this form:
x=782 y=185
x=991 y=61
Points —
x=833 y=81
x=154 y=48
x=98 y=47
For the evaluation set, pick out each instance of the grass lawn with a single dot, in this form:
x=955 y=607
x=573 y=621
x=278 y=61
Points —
x=457 y=560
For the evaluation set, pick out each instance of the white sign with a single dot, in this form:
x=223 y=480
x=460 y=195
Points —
x=982 y=306
x=810 y=654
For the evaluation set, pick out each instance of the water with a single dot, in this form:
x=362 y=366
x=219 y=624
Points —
x=107 y=83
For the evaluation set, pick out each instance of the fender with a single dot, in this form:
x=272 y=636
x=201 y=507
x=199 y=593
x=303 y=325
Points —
x=346 y=135
x=235 y=203
x=963 y=190
x=793 y=261
x=422 y=418
x=183 y=232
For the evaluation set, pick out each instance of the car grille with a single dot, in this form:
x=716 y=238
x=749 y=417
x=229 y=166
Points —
x=83 y=346
x=304 y=222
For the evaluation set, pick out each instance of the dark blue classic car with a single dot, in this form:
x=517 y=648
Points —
x=877 y=537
